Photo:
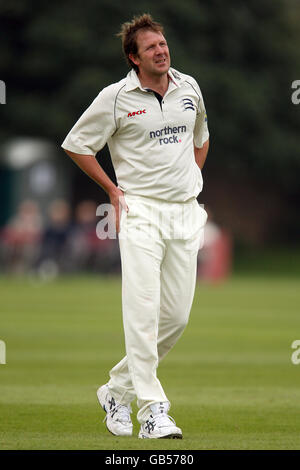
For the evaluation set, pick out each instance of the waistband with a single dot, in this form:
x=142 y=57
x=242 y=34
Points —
x=156 y=201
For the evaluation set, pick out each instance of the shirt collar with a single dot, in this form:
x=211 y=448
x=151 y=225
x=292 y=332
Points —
x=175 y=77
x=133 y=82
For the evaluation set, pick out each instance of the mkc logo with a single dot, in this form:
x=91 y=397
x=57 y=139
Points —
x=187 y=104
x=137 y=113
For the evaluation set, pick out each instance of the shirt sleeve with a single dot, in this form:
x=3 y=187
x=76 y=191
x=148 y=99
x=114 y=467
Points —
x=94 y=127
x=201 y=134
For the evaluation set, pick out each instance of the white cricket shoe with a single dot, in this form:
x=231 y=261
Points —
x=160 y=425
x=118 y=420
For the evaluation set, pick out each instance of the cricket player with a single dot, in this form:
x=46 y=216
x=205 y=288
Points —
x=155 y=125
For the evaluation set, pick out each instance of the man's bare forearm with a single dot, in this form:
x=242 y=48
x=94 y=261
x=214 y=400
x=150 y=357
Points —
x=201 y=154
x=89 y=164
x=91 y=167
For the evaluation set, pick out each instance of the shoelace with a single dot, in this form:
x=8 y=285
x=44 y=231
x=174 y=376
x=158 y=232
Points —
x=162 y=419
x=123 y=413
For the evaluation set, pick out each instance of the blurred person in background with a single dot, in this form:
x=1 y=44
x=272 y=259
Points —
x=215 y=258
x=83 y=240
x=108 y=254
x=155 y=124
x=54 y=253
x=85 y=250
x=21 y=237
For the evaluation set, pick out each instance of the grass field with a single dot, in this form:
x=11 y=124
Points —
x=230 y=378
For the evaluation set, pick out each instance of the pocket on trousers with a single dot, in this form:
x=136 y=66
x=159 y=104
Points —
x=123 y=218
x=196 y=241
x=203 y=216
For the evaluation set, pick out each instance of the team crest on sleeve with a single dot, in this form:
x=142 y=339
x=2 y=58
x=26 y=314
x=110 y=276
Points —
x=187 y=104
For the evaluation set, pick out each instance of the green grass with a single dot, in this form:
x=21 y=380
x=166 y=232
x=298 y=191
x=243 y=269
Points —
x=230 y=378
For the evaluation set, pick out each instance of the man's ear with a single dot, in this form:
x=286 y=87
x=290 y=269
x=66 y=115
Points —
x=134 y=58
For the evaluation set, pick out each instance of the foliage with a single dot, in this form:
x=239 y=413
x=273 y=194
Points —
x=56 y=56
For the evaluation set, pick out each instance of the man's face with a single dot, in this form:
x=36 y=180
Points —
x=153 y=57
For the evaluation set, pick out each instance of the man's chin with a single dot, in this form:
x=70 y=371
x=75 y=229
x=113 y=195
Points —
x=162 y=70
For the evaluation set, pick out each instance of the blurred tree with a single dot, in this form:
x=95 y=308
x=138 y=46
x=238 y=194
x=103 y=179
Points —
x=56 y=56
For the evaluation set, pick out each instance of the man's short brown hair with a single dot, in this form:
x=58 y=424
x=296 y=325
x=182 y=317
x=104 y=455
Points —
x=129 y=31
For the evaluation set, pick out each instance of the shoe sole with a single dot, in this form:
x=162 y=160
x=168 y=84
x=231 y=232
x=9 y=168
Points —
x=169 y=436
x=111 y=431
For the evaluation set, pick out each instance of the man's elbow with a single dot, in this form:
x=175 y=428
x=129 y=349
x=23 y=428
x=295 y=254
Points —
x=206 y=144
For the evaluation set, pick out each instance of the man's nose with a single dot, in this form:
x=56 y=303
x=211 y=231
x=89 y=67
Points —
x=159 y=50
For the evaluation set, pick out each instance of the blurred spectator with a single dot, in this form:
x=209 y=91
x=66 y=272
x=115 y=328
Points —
x=54 y=241
x=62 y=246
x=87 y=251
x=215 y=258
x=20 y=238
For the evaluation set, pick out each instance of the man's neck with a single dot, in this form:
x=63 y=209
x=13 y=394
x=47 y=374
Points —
x=159 y=84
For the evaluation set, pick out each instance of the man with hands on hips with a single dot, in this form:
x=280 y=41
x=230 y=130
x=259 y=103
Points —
x=155 y=125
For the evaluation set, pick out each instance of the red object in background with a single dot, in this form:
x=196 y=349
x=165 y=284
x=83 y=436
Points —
x=215 y=258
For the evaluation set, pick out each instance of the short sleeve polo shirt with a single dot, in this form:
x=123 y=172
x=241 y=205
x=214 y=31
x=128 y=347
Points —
x=151 y=144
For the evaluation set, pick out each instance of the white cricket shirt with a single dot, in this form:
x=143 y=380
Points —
x=151 y=144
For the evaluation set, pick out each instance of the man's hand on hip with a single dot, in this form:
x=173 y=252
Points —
x=118 y=201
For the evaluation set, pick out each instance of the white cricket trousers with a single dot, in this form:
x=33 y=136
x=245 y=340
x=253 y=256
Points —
x=159 y=243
